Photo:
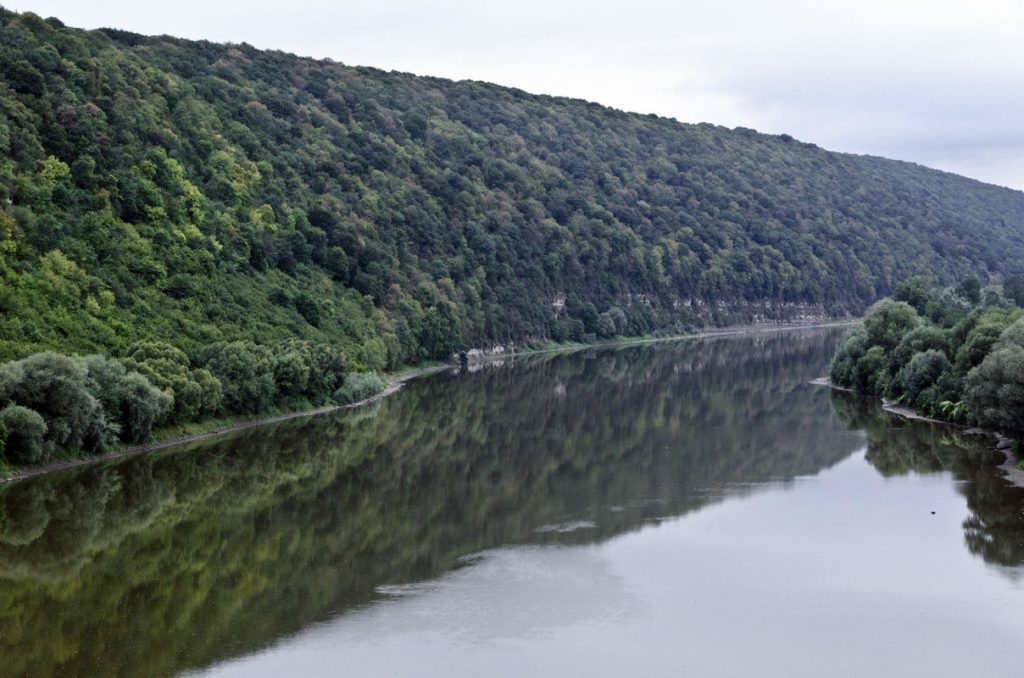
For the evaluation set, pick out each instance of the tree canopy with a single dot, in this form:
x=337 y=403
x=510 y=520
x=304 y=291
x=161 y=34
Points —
x=154 y=189
x=945 y=353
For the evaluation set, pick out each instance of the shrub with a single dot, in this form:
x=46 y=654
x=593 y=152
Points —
x=918 y=340
x=195 y=392
x=128 y=397
x=358 y=386
x=888 y=321
x=851 y=349
x=994 y=390
x=926 y=381
x=291 y=373
x=58 y=389
x=26 y=429
x=246 y=373
x=141 y=406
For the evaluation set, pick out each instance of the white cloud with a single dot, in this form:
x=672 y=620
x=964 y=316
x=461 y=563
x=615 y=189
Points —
x=931 y=81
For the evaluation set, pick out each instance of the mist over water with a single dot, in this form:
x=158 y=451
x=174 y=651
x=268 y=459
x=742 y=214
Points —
x=683 y=508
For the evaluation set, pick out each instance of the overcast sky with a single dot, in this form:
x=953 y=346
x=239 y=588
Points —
x=938 y=82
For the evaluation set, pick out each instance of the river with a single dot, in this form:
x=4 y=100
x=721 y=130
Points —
x=686 y=508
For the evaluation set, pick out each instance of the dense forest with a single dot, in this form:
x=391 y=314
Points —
x=222 y=229
x=955 y=353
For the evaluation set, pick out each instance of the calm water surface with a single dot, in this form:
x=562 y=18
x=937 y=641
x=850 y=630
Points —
x=693 y=508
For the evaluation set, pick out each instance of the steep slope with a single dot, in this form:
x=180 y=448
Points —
x=159 y=188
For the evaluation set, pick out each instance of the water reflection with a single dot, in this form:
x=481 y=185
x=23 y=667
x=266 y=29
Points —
x=896 y=446
x=173 y=561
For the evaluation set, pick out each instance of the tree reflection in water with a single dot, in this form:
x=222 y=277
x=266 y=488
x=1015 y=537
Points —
x=170 y=561
x=897 y=446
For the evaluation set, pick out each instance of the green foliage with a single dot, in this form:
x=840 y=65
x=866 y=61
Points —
x=969 y=289
x=1013 y=288
x=994 y=391
x=871 y=370
x=359 y=386
x=309 y=369
x=888 y=321
x=142 y=406
x=843 y=370
x=920 y=339
x=246 y=373
x=916 y=292
x=128 y=398
x=983 y=329
x=971 y=369
x=195 y=393
x=25 y=430
x=59 y=389
x=162 y=190
x=925 y=381
x=89 y=403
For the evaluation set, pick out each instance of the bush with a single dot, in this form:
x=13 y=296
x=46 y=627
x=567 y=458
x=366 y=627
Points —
x=923 y=370
x=128 y=398
x=870 y=373
x=58 y=389
x=310 y=369
x=925 y=382
x=916 y=341
x=291 y=373
x=851 y=349
x=359 y=386
x=142 y=405
x=26 y=429
x=246 y=374
x=888 y=321
x=195 y=392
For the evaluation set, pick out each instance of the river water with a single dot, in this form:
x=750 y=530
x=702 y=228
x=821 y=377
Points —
x=687 y=508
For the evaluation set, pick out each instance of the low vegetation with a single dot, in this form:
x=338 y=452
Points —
x=51 y=404
x=955 y=354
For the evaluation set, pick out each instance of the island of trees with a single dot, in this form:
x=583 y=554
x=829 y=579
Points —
x=955 y=354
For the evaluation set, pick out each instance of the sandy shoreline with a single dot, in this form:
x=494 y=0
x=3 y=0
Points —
x=394 y=385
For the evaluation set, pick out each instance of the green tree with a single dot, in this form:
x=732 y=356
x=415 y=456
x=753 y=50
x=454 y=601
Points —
x=195 y=392
x=26 y=430
x=887 y=321
x=128 y=398
x=1013 y=288
x=58 y=388
x=994 y=390
x=969 y=289
x=246 y=373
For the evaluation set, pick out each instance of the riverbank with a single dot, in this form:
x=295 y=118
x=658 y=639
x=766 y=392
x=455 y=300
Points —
x=1003 y=442
x=395 y=383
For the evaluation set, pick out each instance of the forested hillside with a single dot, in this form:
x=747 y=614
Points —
x=194 y=193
